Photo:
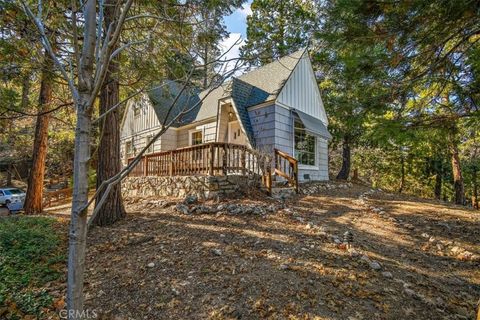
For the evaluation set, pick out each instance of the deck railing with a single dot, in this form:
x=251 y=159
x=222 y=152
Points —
x=54 y=197
x=213 y=158
x=286 y=167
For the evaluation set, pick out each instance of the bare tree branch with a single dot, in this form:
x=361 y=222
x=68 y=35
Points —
x=48 y=47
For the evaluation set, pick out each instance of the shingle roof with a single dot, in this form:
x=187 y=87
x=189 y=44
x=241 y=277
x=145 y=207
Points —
x=164 y=96
x=270 y=78
x=252 y=88
x=241 y=92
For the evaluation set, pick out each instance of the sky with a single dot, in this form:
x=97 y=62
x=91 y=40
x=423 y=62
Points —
x=237 y=21
x=237 y=27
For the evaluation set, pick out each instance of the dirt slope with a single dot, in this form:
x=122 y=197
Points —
x=411 y=259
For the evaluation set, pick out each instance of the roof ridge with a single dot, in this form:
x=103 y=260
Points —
x=278 y=60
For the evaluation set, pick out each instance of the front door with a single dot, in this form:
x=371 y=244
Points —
x=235 y=134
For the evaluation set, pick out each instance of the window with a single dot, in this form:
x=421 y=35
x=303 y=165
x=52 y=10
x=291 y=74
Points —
x=128 y=149
x=196 y=137
x=147 y=141
x=304 y=145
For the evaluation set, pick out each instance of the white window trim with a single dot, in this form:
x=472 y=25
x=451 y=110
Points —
x=316 y=166
x=307 y=167
x=191 y=132
x=150 y=137
x=132 y=154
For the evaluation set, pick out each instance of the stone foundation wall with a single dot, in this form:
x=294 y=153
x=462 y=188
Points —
x=204 y=187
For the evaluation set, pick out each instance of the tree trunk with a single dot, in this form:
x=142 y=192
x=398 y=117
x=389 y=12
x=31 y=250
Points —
x=402 y=172
x=78 y=222
x=355 y=174
x=346 y=160
x=438 y=181
x=33 y=201
x=108 y=163
x=205 y=67
x=9 y=175
x=474 y=188
x=457 y=176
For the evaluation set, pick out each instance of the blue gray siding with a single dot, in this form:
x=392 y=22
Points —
x=283 y=130
x=263 y=125
x=273 y=128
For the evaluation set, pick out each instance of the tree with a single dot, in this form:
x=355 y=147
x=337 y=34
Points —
x=92 y=57
x=108 y=159
x=90 y=61
x=429 y=57
x=277 y=28
x=353 y=76
x=34 y=198
x=209 y=33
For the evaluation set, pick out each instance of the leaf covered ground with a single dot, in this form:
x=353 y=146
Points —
x=411 y=259
x=32 y=260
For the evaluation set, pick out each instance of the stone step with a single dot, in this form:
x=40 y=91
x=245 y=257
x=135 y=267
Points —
x=283 y=192
x=279 y=184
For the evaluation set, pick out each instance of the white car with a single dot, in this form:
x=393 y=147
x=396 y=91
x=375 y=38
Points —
x=13 y=198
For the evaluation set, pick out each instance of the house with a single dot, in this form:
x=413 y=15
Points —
x=275 y=107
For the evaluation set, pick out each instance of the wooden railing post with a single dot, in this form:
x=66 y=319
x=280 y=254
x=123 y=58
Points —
x=145 y=166
x=295 y=175
x=224 y=159
x=269 y=178
x=243 y=160
x=212 y=160
x=170 y=164
x=275 y=155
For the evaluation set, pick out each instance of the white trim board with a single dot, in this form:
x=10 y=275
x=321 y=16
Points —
x=191 y=131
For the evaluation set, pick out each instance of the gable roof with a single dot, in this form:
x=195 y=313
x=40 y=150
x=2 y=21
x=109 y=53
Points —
x=241 y=93
x=163 y=96
x=261 y=85
x=252 y=88
x=270 y=78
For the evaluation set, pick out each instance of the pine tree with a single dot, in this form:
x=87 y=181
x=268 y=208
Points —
x=277 y=28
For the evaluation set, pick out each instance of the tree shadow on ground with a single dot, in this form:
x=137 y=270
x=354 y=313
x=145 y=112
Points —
x=249 y=267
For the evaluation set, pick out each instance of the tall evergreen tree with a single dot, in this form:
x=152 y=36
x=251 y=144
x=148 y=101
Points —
x=276 y=28
x=34 y=198
x=109 y=159
x=209 y=33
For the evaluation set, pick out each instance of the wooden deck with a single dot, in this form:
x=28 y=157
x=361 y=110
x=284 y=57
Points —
x=218 y=158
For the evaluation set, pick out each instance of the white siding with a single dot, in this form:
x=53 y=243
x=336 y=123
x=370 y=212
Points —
x=208 y=129
x=223 y=123
x=145 y=120
x=138 y=128
x=167 y=141
x=301 y=91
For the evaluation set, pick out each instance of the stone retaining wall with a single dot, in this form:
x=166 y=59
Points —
x=204 y=187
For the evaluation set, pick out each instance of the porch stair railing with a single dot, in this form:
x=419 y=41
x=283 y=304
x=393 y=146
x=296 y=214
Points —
x=286 y=167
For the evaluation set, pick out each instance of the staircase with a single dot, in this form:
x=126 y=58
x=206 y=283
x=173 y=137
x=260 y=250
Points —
x=285 y=175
